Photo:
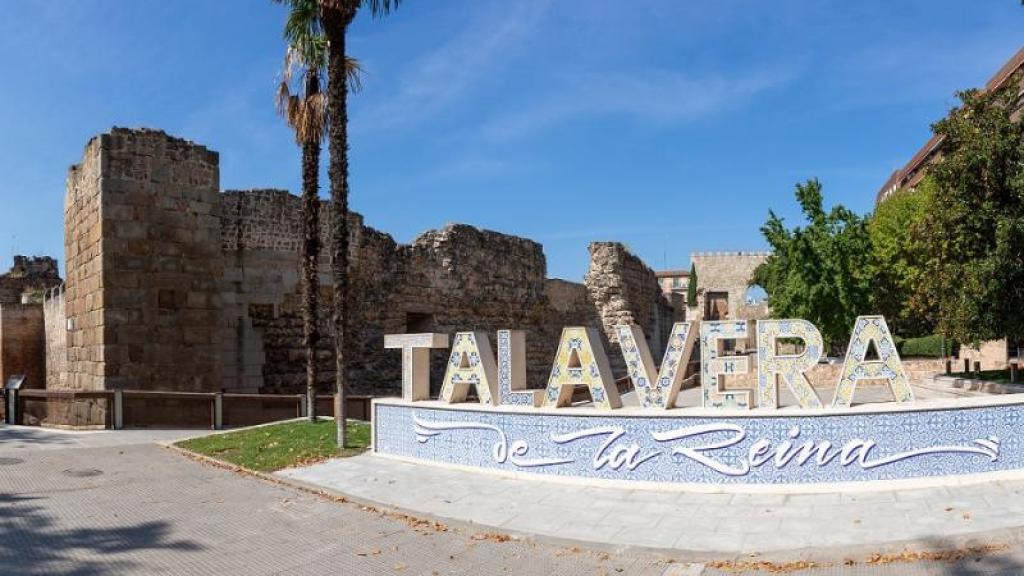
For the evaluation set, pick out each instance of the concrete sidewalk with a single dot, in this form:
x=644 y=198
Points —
x=15 y=438
x=809 y=526
x=97 y=504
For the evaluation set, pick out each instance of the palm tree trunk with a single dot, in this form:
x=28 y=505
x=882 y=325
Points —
x=311 y=254
x=336 y=21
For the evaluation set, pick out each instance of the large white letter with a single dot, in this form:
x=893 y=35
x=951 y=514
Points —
x=512 y=370
x=581 y=361
x=416 y=361
x=656 y=389
x=712 y=366
x=471 y=365
x=791 y=368
x=888 y=366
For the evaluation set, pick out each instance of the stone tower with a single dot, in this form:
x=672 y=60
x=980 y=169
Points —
x=142 y=245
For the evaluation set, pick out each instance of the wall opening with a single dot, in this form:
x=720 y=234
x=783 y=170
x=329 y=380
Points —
x=419 y=322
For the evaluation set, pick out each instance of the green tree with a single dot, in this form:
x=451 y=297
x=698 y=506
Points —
x=897 y=260
x=819 y=272
x=337 y=15
x=691 y=287
x=304 y=107
x=973 y=240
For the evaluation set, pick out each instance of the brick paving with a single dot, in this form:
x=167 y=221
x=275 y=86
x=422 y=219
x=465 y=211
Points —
x=118 y=504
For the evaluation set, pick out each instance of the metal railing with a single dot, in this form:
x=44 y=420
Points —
x=147 y=408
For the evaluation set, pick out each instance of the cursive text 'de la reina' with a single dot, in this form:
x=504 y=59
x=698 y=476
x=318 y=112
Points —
x=856 y=451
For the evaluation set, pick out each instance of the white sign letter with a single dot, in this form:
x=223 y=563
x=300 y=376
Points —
x=888 y=366
x=657 y=389
x=581 y=361
x=512 y=370
x=712 y=366
x=791 y=368
x=416 y=361
x=471 y=364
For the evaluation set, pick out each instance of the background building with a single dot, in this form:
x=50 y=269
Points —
x=911 y=174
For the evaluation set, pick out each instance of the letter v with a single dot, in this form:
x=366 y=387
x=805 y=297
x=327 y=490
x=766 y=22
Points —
x=657 y=390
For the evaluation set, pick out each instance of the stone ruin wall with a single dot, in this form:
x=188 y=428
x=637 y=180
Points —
x=22 y=340
x=142 y=242
x=56 y=337
x=626 y=291
x=22 y=346
x=175 y=286
x=455 y=278
x=28 y=280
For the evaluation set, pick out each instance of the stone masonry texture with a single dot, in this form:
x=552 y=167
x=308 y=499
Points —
x=22 y=345
x=142 y=242
x=173 y=285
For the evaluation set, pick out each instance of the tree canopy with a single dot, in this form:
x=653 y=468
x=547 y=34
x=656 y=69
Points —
x=973 y=238
x=895 y=230
x=819 y=272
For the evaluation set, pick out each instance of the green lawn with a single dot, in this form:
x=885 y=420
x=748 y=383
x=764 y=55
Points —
x=277 y=446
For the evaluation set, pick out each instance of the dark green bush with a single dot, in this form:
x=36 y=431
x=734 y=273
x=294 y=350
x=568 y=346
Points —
x=923 y=347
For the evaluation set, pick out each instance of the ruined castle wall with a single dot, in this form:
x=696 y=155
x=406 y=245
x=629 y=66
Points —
x=22 y=344
x=447 y=280
x=83 y=235
x=174 y=286
x=465 y=278
x=260 y=331
x=28 y=279
x=143 y=255
x=626 y=291
x=55 y=334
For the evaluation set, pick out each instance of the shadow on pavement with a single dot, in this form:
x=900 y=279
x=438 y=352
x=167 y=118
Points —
x=23 y=434
x=31 y=543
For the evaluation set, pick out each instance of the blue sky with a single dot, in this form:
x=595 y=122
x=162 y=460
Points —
x=669 y=125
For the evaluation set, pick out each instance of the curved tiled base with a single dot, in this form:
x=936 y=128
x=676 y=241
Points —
x=935 y=442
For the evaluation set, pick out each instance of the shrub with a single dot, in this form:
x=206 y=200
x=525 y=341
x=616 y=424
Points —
x=923 y=347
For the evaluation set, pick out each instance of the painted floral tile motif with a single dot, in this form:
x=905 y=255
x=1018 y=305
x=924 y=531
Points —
x=656 y=388
x=790 y=368
x=471 y=365
x=713 y=366
x=581 y=360
x=512 y=371
x=888 y=367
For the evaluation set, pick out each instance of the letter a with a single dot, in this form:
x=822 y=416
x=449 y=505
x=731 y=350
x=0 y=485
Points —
x=770 y=365
x=581 y=361
x=888 y=366
x=471 y=365
x=658 y=390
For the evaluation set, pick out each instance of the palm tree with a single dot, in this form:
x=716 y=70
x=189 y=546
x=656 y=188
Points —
x=336 y=16
x=306 y=111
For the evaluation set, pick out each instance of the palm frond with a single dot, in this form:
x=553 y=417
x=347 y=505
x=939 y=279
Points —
x=354 y=74
x=379 y=8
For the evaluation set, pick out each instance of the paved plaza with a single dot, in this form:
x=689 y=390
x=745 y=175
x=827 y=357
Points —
x=714 y=524
x=119 y=503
